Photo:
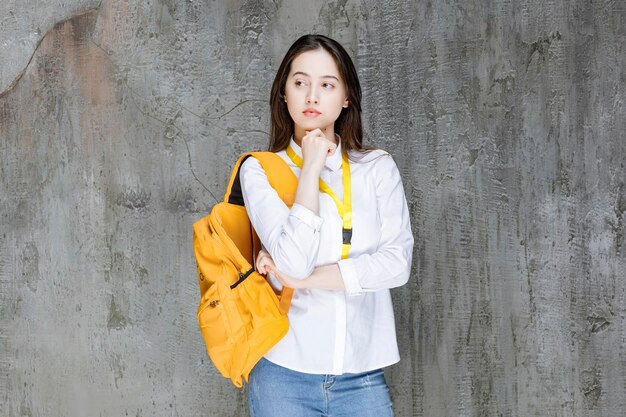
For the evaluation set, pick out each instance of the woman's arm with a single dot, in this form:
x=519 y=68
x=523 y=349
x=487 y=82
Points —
x=315 y=149
x=327 y=277
x=292 y=236
x=388 y=267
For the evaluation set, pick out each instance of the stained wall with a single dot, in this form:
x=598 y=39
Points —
x=119 y=123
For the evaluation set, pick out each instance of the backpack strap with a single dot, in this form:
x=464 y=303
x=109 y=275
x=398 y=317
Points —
x=279 y=174
x=282 y=179
x=233 y=193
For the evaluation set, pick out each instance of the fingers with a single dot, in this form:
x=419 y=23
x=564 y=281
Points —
x=317 y=147
x=316 y=133
x=263 y=266
x=264 y=262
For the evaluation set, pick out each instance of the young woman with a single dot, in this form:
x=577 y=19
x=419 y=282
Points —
x=345 y=241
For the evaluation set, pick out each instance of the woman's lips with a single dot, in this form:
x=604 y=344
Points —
x=309 y=113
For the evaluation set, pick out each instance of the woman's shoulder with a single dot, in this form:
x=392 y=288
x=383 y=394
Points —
x=250 y=163
x=369 y=156
x=377 y=164
x=253 y=163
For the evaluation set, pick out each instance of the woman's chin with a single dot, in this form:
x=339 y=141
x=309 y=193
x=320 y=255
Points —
x=311 y=125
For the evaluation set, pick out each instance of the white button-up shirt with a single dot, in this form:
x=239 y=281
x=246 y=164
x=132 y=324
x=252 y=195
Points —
x=353 y=330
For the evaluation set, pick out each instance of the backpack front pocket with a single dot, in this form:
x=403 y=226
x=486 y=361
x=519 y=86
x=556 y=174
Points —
x=215 y=329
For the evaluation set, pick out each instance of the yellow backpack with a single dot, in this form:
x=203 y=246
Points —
x=240 y=315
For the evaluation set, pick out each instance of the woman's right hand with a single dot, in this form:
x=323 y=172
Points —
x=315 y=149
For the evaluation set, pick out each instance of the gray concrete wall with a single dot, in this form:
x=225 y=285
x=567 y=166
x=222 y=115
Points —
x=120 y=120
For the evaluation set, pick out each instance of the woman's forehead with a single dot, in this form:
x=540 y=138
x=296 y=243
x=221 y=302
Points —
x=317 y=63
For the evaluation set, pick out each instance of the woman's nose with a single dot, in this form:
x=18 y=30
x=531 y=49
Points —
x=312 y=96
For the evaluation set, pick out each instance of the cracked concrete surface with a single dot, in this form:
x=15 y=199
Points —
x=23 y=24
x=119 y=123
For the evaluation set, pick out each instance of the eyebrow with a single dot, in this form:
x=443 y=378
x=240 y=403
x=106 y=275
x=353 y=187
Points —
x=307 y=75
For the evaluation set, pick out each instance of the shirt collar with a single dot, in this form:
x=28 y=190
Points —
x=333 y=162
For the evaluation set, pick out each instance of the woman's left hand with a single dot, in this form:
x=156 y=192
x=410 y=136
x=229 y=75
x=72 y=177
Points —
x=325 y=277
x=289 y=281
x=263 y=261
x=265 y=264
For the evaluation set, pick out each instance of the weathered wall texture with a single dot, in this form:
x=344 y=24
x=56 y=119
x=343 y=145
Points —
x=118 y=130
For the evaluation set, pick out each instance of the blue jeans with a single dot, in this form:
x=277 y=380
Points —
x=275 y=391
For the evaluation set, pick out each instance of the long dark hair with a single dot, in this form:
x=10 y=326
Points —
x=348 y=124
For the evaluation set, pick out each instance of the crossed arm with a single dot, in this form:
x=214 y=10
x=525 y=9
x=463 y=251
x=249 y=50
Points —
x=292 y=237
x=327 y=277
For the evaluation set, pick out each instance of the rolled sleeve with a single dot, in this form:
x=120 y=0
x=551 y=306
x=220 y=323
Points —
x=306 y=216
x=349 y=275
x=388 y=265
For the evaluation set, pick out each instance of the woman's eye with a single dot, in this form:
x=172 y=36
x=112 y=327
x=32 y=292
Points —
x=329 y=85
x=298 y=82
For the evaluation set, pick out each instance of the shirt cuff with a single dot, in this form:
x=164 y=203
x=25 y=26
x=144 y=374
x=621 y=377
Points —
x=306 y=216
x=349 y=275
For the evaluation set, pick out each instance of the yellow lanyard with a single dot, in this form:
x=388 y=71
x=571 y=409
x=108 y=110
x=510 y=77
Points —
x=345 y=208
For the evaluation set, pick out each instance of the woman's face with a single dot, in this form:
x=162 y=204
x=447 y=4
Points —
x=314 y=82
